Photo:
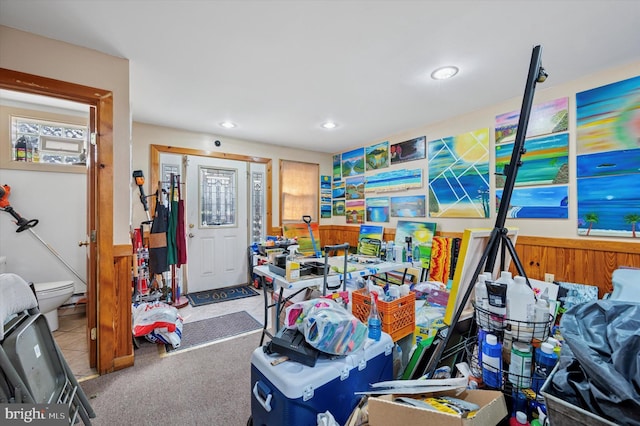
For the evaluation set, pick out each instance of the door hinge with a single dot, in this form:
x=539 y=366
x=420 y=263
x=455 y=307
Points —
x=93 y=138
x=93 y=236
x=94 y=333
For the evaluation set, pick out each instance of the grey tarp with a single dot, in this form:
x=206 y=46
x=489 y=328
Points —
x=599 y=368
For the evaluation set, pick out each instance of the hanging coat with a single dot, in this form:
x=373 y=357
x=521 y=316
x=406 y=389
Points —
x=181 y=238
x=172 y=252
x=158 y=239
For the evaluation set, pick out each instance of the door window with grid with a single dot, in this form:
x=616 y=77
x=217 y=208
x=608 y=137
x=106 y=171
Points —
x=218 y=197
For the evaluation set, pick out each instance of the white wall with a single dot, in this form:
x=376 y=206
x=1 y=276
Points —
x=29 y=53
x=484 y=118
x=57 y=200
x=145 y=135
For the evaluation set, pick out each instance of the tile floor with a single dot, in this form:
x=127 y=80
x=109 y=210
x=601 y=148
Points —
x=71 y=335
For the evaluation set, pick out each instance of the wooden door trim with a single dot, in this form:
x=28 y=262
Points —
x=154 y=166
x=104 y=293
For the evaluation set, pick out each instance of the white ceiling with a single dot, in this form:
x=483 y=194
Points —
x=280 y=68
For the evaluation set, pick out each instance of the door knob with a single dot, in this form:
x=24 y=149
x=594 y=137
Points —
x=83 y=243
x=191 y=235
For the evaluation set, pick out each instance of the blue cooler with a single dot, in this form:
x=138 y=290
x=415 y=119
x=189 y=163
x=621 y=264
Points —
x=293 y=394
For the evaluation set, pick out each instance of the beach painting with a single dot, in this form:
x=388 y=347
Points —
x=338 y=208
x=353 y=162
x=545 y=118
x=409 y=206
x=609 y=206
x=413 y=149
x=337 y=167
x=377 y=209
x=355 y=212
x=546 y=161
x=459 y=175
x=608 y=117
x=537 y=202
x=396 y=180
x=355 y=188
x=377 y=156
x=421 y=234
x=338 y=189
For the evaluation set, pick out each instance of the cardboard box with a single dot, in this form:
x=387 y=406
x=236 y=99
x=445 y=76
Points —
x=384 y=412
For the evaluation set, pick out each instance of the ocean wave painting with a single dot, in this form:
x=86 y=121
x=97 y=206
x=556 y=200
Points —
x=538 y=202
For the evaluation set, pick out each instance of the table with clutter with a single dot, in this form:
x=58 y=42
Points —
x=357 y=266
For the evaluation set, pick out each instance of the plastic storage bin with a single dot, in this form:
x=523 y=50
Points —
x=292 y=394
x=562 y=413
x=398 y=317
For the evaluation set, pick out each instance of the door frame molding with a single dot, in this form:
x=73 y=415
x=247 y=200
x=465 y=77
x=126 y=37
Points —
x=101 y=288
x=154 y=167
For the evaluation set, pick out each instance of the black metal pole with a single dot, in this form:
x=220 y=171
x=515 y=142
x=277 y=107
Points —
x=535 y=73
x=498 y=237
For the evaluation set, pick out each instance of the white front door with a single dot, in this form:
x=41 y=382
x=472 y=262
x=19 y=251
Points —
x=217 y=210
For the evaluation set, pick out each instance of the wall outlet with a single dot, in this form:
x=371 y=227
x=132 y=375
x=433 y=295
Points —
x=549 y=277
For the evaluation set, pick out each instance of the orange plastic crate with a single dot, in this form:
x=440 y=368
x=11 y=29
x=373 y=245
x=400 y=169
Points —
x=398 y=317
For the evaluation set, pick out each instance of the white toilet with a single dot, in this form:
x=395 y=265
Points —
x=50 y=297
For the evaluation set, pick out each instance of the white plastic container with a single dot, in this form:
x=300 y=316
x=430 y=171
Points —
x=520 y=309
x=520 y=366
x=497 y=300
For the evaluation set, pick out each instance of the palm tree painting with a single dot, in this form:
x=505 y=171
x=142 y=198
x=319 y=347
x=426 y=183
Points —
x=591 y=218
x=614 y=203
x=632 y=219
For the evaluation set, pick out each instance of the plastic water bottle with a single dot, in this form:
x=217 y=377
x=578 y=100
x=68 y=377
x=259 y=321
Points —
x=520 y=366
x=374 y=323
x=520 y=309
x=546 y=359
x=492 y=362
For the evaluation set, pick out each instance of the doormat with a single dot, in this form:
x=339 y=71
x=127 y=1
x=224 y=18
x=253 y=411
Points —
x=201 y=298
x=207 y=331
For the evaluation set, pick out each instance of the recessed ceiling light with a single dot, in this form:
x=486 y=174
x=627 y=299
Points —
x=329 y=125
x=444 y=73
x=228 y=125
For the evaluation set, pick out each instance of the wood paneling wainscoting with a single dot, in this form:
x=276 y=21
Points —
x=121 y=311
x=584 y=260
